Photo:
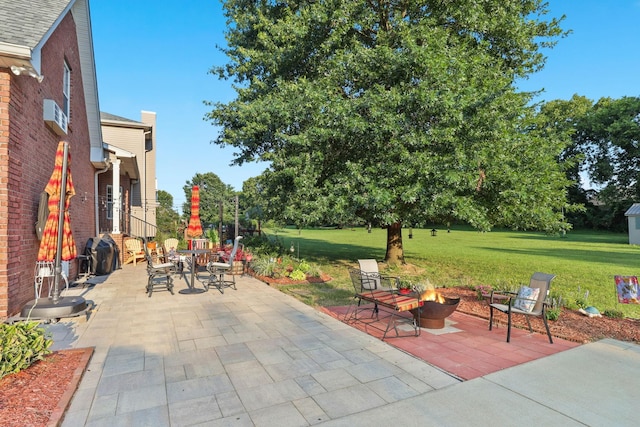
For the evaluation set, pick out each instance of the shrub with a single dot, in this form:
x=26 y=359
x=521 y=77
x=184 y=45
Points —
x=614 y=314
x=269 y=266
x=553 y=313
x=555 y=304
x=297 y=275
x=21 y=344
x=212 y=235
x=309 y=269
x=304 y=266
x=263 y=266
x=265 y=245
x=578 y=299
x=482 y=290
x=581 y=302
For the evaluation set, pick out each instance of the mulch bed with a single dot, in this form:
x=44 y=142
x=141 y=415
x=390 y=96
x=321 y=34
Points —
x=40 y=394
x=285 y=281
x=571 y=325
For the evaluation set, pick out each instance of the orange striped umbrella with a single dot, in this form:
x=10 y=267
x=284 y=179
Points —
x=195 y=228
x=49 y=242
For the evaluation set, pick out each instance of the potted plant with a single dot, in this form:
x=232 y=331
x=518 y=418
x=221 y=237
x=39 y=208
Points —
x=404 y=287
x=212 y=235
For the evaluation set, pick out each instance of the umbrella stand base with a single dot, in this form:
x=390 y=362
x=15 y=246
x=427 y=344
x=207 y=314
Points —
x=191 y=291
x=44 y=308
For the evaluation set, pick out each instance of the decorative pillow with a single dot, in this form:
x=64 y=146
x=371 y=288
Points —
x=526 y=298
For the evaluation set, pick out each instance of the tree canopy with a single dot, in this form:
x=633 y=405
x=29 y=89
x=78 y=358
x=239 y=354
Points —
x=167 y=219
x=608 y=135
x=393 y=112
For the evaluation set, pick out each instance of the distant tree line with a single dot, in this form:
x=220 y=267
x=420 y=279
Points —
x=604 y=149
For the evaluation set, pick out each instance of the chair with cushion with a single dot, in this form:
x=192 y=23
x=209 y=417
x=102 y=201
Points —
x=170 y=247
x=159 y=274
x=528 y=301
x=134 y=250
x=171 y=255
x=371 y=279
x=363 y=283
x=219 y=269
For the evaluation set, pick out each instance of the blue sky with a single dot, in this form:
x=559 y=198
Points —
x=155 y=56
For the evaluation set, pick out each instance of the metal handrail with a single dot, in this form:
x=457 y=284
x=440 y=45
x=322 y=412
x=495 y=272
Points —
x=141 y=228
x=129 y=224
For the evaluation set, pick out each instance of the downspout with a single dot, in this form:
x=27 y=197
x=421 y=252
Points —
x=95 y=192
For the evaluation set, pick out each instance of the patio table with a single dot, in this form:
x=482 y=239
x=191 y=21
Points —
x=194 y=267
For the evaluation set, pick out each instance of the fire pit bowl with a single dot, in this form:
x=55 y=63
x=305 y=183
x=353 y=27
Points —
x=433 y=313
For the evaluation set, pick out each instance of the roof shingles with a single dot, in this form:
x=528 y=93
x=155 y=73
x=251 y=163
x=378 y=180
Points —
x=24 y=23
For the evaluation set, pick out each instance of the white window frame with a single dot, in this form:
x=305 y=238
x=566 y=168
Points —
x=109 y=198
x=109 y=201
x=66 y=91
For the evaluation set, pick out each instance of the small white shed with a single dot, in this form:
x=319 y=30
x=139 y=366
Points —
x=633 y=216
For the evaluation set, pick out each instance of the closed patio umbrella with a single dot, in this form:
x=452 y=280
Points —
x=195 y=227
x=57 y=242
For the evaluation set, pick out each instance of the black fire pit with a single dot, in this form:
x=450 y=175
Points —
x=433 y=313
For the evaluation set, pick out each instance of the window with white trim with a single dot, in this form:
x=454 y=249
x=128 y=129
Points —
x=109 y=201
x=66 y=91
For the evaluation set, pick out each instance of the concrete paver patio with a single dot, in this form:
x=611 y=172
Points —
x=255 y=356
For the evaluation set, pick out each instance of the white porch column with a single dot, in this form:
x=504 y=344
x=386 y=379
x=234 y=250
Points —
x=117 y=202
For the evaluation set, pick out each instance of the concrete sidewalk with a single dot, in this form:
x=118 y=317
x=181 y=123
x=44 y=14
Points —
x=255 y=356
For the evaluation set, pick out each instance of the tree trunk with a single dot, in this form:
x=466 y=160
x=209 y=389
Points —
x=395 y=253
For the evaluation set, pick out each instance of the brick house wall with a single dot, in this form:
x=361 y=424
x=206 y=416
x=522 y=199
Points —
x=27 y=153
x=5 y=87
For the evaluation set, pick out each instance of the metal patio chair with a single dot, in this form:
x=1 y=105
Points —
x=381 y=297
x=372 y=280
x=525 y=302
x=159 y=274
x=218 y=270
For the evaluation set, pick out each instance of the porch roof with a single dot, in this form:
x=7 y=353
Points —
x=128 y=162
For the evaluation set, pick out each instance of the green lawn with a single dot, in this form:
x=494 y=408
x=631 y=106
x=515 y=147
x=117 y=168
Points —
x=582 y=260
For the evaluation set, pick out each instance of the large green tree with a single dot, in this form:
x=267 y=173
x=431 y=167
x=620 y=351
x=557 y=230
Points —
x=392 y=111
x=251 y=201
x=561 y=119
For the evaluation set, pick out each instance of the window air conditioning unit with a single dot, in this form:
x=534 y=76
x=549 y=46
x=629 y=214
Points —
x=55 y=117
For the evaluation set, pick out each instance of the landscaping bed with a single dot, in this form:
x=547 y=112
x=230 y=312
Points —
x=284 y=281
x=39 y=395
x=570 y=325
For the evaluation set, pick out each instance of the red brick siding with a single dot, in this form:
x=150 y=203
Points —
x=27 y=153
x=5 y=89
